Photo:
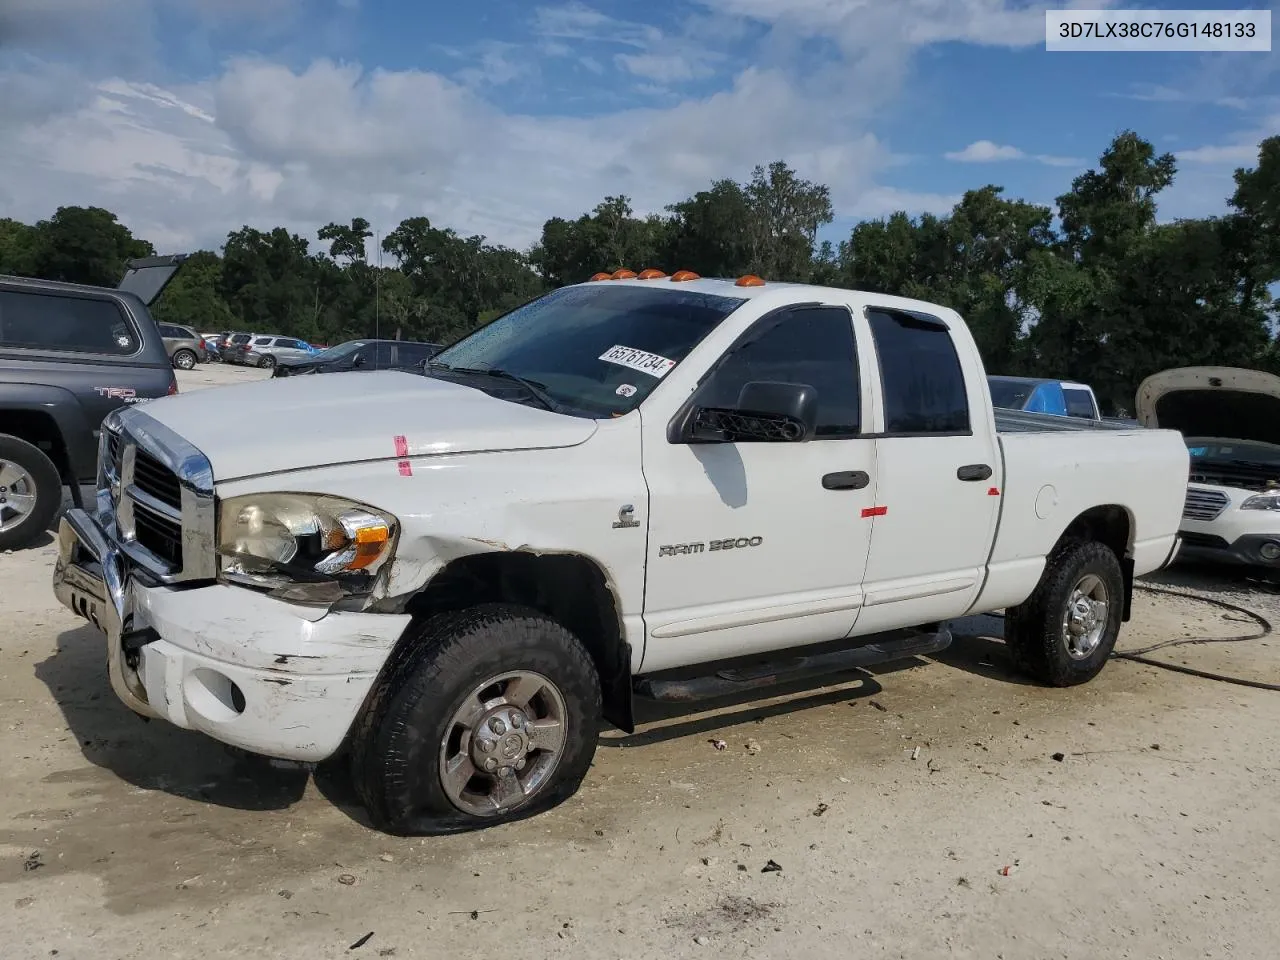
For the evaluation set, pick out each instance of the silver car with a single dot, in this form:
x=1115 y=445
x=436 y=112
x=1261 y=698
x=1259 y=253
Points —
x=266 y=352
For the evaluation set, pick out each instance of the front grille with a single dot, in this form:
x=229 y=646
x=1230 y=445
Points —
x=156 y=497
x=1204 y=504
x=155 y=479
x=159 y=534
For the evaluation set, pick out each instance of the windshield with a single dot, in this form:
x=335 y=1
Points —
x=340 y=351
x=1009 y=394
x=1211 y=449
x=597 y=349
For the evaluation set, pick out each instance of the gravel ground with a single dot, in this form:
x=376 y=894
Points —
x=1138 y=814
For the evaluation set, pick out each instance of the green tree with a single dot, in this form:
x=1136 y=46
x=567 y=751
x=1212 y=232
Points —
x=270 y=283
x=194 y=298
x=347 y=242
x=17 y=243
x=785 y=213
x=84 y=245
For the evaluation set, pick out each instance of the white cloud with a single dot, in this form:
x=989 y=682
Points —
x=985 y=151
x=265 y=143
x=1241 y=151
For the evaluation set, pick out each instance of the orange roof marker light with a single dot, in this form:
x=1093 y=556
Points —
x=624 y=274
x=602 y=276
x=651 y=274
x=750 y=280
x=682 y=275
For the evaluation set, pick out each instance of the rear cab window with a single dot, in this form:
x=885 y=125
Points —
x=66 y=323
x=920 y=374
x=1080 y=403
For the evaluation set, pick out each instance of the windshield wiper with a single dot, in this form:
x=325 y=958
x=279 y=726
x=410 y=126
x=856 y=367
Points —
x=535 y=389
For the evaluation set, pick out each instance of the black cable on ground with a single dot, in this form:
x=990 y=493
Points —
x=1264 y=630
x=1139 y=656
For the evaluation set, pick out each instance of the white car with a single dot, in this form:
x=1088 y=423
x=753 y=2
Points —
x=1230 y=418
x=608 y=492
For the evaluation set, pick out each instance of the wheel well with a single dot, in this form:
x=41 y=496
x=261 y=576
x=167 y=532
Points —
x=1112 y=526
x=40 y=430
x=570 y=589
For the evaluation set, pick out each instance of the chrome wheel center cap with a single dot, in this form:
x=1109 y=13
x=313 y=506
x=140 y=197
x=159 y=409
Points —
x=501 y=742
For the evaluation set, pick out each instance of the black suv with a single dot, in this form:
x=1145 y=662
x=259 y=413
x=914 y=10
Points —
x=69 y=355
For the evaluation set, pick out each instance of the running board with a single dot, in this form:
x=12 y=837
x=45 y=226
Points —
x=895 y=646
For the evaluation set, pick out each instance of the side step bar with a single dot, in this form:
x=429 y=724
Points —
x=898 y=645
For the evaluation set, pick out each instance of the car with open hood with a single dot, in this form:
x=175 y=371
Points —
x=1229 y=418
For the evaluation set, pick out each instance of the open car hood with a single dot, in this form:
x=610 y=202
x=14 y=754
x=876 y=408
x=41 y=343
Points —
x=146 y=277
x=1225 y=402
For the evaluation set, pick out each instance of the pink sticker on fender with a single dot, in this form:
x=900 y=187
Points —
x=402 y=447
x=406 y=468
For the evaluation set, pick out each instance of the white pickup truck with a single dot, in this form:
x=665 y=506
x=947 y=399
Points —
x=609 y=492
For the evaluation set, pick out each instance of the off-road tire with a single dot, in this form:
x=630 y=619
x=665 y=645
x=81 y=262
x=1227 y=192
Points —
x=185 y=359
x=396 y=741
x=48 y=488
x=1033 y=629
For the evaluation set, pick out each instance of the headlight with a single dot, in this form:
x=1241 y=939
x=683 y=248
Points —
x=1263 y=501
x=284 y=539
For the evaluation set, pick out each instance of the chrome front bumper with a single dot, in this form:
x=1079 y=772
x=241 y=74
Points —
x=91 y=578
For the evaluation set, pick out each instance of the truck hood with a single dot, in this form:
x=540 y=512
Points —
x=1224 y=402
x=275 y=425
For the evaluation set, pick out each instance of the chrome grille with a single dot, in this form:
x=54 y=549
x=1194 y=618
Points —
x=155 y=497
x=1204 y=504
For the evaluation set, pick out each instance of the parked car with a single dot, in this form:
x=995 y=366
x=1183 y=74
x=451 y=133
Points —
x=455 y=578
x=1230 y=420
x=186 y=348
x=1035 y=395
x=267 y=352
x=235 y=346
x=70 y=355
x=363 y=355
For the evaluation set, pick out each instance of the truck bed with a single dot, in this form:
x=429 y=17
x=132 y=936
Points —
x=1020 y=421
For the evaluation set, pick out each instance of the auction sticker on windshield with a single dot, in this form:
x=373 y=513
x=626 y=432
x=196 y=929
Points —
x=650 y=363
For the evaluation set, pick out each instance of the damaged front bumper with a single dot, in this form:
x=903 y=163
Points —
x=261 y=674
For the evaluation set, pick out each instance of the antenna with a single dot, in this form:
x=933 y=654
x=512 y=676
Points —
x=377 y=291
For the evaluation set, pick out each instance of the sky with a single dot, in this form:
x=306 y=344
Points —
x=191 y=118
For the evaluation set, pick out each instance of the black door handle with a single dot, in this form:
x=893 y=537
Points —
x=974 y=471
x=846 y=480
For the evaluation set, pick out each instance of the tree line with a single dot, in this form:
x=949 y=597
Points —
x=1094 y=289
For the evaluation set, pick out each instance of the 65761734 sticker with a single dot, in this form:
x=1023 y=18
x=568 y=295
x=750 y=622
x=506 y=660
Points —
x=653 y=364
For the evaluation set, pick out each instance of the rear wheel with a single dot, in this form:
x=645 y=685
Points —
x=268 y=362
x=1064 y=632
x=487 y=715
x=30 y=492
x=184 y=360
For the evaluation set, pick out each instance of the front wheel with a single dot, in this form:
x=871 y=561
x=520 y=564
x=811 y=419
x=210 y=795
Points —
x=1064 y=632
x=487 y=715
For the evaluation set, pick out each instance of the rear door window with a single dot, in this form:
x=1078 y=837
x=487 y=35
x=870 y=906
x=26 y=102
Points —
x=47 y=321
x=923 y=382
x=262 y=342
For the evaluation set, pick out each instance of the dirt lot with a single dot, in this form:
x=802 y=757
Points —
x=890 y=801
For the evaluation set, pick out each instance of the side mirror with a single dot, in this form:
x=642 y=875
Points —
x=766 y=412
x=359 y=360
